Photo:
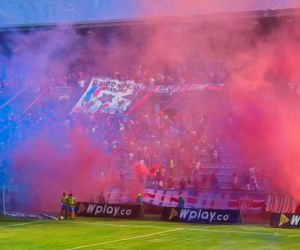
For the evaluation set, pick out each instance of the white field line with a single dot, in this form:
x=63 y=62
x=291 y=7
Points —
x=124 y=239
x=195 y=229
x=121 y=225
x=21 y=224
x=235 y=232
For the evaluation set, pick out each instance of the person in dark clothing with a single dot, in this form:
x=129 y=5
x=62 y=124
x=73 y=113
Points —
x=101 y=198
x=139 y=201
x=214 y=182
x=182 y=184
x=180 y=202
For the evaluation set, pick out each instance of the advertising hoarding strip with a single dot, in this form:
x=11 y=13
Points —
x=285 y=220
x=108 y=210
x=203 y=216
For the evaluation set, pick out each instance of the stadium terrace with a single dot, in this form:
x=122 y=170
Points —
x=149 y=126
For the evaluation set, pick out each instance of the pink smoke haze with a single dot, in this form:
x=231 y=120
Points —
x=259 y=63
x=268 y=114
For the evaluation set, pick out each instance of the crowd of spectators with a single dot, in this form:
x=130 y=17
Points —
x=175 y=148
x=169 y=144
x=77 y=72
x=157 y=148
x=166 y=149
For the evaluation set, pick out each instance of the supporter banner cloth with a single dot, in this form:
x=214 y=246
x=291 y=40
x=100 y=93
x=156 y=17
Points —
x=170 y=89
x=285 y=220
x=117 y=196
x=204 y=216
x=106 y=95
x=108 y=210
x=281 y=204
x=205 y=199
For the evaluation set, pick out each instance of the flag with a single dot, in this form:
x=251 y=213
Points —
x=107 y=95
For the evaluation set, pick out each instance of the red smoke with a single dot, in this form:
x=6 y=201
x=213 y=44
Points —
x=267 y=112
x=260 y=63
x=48 y=170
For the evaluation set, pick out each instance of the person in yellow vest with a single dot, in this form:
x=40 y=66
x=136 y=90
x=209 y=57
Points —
x=71 y=206
x=64 y=206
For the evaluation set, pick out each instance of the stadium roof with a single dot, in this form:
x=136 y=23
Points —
x=16 y=13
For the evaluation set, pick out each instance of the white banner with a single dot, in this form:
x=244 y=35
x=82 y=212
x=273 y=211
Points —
x=107 y=96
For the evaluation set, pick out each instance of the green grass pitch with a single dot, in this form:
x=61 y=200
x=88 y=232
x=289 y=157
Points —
x=92 y=233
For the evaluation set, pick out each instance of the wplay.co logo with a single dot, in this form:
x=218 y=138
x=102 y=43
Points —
x=173 y=213
x=283 y=220
x=81 y=208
